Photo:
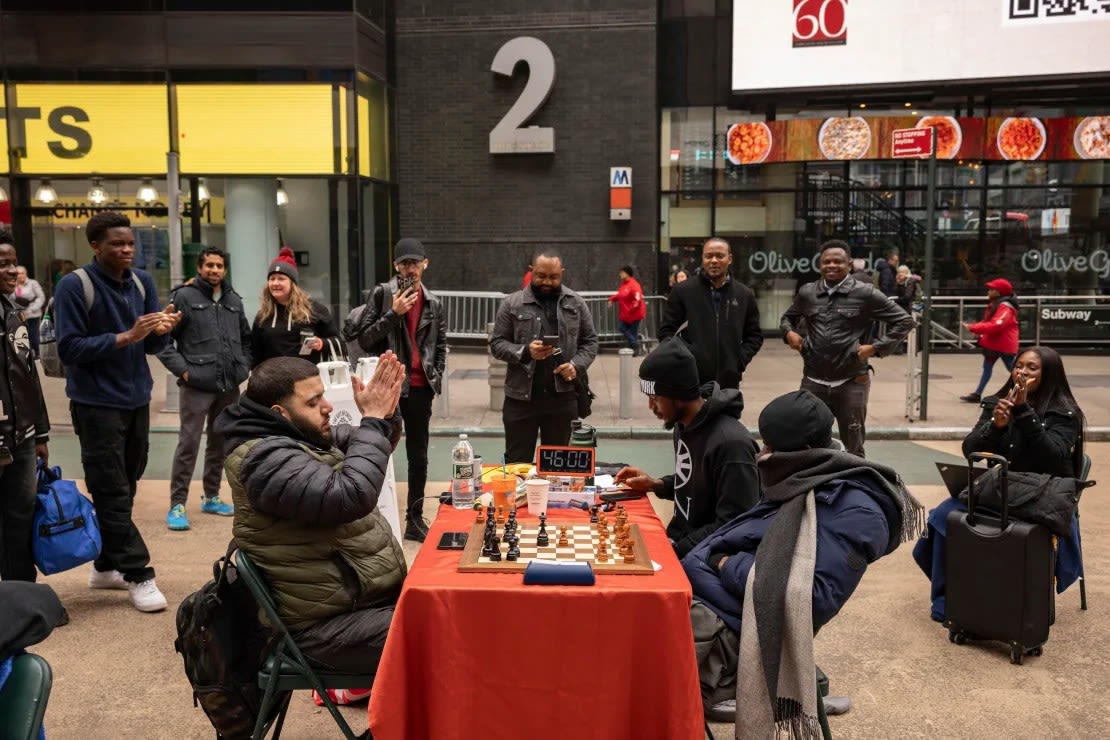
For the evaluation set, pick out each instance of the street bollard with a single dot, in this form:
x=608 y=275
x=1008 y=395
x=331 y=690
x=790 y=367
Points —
x=173 y=395
x=627 y=381
x=495 y=378
x=443 y=402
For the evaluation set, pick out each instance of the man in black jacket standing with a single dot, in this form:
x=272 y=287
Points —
x=720 y=314
x=406 y=317
x=23 y=427
x=211 y=355
x=838 y=311
x=714 y=476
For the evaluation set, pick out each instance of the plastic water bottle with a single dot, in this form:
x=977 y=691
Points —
x=46 y=329
x=462 y=474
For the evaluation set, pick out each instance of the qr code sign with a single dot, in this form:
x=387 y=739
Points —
x=1050 y=11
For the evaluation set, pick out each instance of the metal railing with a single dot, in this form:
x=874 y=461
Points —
x=468 y=313
x=1057 y=320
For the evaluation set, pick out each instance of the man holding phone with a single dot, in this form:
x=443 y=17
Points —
x=546 y=335
x=404 y=316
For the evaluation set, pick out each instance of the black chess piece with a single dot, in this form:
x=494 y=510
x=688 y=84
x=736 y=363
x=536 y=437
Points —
x=488 y=543
x=514 y=549
x=493 y=548
x=593 y=514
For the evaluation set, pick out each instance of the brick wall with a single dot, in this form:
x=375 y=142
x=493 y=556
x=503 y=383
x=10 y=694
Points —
x=481 y=215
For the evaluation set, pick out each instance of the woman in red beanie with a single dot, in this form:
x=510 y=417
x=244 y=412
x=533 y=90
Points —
x=288 y=316
x=998 y=333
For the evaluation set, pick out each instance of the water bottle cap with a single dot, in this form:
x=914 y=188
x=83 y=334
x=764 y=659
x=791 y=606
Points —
x=462 y=436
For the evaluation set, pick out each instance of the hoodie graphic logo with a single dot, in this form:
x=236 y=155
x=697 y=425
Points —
x=342 y=417
x=21 y=340
x=683 y=467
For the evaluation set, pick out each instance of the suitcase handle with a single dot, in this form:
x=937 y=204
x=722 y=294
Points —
x=1004 y=485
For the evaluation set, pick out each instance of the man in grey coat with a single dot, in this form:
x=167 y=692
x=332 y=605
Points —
x=211 y=355
x=546 y=335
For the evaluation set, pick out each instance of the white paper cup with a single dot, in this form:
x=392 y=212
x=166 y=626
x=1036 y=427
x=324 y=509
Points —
x=537 y=495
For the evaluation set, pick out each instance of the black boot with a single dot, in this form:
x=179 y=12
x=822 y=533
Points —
x=415 y=530
x=971 y=398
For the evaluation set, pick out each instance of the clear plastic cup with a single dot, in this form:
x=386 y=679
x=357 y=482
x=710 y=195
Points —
x=504 y=489
x=537 y=495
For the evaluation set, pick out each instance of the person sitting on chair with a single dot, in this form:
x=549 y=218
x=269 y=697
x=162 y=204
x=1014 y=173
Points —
x=768 y=580
x=306 y=497
x=1035 y=423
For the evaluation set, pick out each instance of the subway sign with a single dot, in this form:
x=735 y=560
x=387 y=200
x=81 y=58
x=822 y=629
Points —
x=105 y=129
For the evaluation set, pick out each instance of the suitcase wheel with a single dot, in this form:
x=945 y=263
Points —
x=957 y=637
x=1017 y=655
x=1037 y=652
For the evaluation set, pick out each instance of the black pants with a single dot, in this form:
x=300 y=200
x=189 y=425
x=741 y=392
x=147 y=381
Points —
x=114 y=446
x=416 y=410
x=348 y=643
x=551 y=418
x=848 y=402
x=198 y=410
x=17 y=514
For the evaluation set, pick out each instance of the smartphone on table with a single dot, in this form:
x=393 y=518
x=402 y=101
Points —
x=452 y=541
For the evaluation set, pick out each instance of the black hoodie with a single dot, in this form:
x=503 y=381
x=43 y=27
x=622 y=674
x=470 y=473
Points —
x=715 y=476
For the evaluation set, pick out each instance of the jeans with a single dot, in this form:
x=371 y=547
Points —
x=631 y=332
x=199 y=410
x=848 y=402
x=348 y=643
x=114 y=446
x=17 y=514
x=988 y=367
x=551 y=417
x=416 y=410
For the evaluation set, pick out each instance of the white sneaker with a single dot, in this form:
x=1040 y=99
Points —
x=146 y=597
x=107 y=579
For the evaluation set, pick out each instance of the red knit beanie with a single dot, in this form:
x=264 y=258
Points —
x=286 y=264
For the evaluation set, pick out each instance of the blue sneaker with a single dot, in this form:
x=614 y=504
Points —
x=215 y=506
x=176 y=519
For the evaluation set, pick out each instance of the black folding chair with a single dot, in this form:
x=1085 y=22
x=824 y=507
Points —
x=24 y=696
x=286 y=668
x=1083 y=474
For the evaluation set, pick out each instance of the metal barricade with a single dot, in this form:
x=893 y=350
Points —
x=913 y=370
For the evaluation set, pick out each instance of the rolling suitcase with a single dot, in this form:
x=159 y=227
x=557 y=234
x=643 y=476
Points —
x=999 y=575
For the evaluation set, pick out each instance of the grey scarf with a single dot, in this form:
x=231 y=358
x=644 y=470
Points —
x=776 y=693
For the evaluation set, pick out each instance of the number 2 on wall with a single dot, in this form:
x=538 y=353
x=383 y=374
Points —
x=510 y=136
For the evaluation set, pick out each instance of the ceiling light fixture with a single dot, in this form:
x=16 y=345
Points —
x=147 y=193
x=97 y=195
x=202 y=191
x=282 y=196
x=45 y=193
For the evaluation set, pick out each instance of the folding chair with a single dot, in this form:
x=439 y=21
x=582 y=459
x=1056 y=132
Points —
x=1083 y=474
x=286 y=668
x=24 y=696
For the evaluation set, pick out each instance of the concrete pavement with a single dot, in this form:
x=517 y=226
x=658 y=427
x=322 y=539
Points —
x=775 y=370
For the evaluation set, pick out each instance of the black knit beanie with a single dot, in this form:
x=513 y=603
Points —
x=670 y=371
x=795 y=421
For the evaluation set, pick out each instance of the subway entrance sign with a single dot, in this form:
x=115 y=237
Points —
x=909 y=143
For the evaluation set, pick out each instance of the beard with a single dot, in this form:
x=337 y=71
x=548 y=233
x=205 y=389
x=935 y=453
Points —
x=312 y=433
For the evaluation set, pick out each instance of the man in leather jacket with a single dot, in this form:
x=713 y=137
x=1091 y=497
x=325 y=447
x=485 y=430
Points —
x=406 y=317
x=837 y=312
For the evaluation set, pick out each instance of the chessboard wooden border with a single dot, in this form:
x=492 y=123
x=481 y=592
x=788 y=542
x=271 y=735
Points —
x=468 y=563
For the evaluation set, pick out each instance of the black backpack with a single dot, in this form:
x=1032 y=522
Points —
x=223 y=643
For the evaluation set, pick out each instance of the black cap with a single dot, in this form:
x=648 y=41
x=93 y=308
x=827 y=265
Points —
x=408 y=249
x=670 y=371
x=795 y=421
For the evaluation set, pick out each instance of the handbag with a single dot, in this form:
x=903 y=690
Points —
x=66 y=531
x=585 y=396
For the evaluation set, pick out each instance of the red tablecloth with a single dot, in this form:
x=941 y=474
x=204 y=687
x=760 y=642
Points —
x=480 y=656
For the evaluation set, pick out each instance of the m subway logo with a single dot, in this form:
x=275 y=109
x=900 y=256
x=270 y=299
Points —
x=74 y=141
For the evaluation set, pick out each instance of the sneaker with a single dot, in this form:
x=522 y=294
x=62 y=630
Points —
x=112 y=579
x=215 y=506
x=176 y=519
x=724 y=711
x=837 y=705
x=415 y=531
x=146 y=597
x=971 y=398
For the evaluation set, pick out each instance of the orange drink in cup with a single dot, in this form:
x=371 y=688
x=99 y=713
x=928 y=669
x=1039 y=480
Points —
x=504 y=489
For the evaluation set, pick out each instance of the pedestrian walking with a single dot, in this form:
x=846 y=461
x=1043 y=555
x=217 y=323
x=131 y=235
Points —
x=837 y=312
x=209 y=354
x=108 y=321
x=997 y=332
x=289 y=323
x=631 y=308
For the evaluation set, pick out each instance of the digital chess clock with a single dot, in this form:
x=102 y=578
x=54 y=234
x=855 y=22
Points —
x=574 y=461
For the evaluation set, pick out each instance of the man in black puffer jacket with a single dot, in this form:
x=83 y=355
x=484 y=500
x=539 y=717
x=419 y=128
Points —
x=718 y=317
x=306 y=499
x=835 y=314
x=714 y=476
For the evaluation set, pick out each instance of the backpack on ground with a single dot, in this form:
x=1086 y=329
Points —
x=51 y=363
x=222 y=642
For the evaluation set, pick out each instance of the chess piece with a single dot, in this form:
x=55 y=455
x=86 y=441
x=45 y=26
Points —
x=542 y=539
x=593 y=514
x=495 y=556
x=514 y=549
x=489 y=544
x=480 y=519
x=630 y=557
x=563 y=542
x=500 y=514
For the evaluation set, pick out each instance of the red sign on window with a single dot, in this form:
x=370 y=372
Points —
x=820 y=22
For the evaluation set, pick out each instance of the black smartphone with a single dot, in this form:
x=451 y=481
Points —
x=452 y=541
x=612 y=498
x=551 y=340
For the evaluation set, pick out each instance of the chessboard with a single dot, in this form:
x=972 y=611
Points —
x=582 y=546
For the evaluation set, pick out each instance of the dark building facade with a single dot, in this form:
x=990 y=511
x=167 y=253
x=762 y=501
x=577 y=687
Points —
x=482 y=214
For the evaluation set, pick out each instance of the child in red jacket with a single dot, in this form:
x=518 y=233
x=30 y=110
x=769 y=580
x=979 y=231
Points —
x=998 y=333
x=631 y=307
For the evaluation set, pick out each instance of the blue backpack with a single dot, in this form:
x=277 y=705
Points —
x=67 y=533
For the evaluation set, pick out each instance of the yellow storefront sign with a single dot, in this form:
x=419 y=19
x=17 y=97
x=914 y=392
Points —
x=81 y=129
x=256 y=129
